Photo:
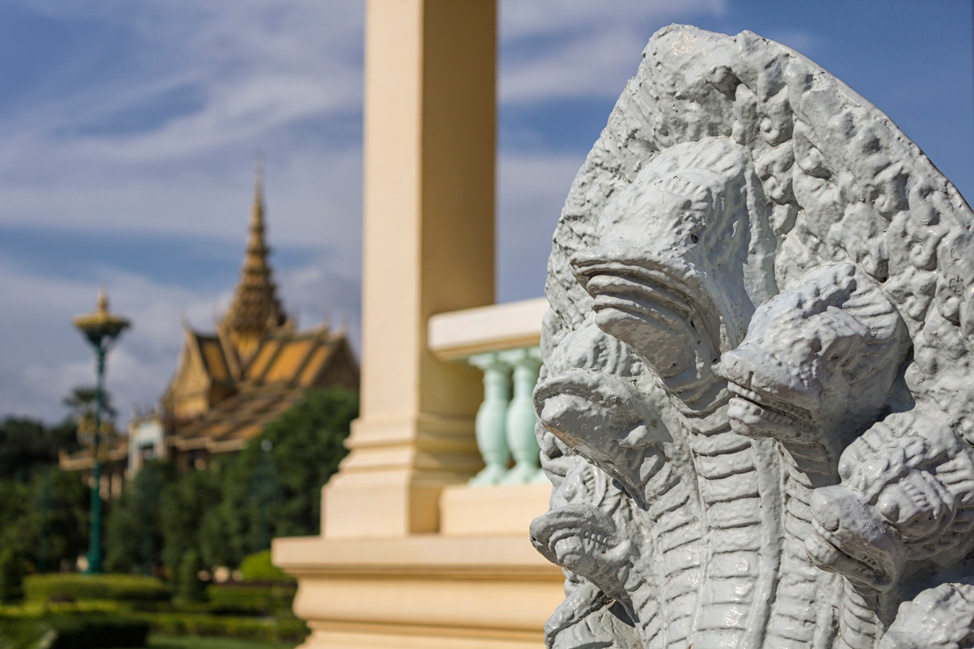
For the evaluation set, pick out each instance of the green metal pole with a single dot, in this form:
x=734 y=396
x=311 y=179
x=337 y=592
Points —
x=94 y=534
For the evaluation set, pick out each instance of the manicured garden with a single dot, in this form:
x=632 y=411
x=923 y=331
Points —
x=185 y=527
x=72 y=611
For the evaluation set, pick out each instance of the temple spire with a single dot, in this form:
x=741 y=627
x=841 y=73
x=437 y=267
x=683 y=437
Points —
x=255 y=310
x=257 y=212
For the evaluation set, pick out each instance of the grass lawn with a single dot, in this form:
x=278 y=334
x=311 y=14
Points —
x=158 y=641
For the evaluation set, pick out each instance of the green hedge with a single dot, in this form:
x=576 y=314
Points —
x=95 y=632
x=12 y=573
x=266 y=629
x=258 y=567
x=71 y=631
x=75 y=587
x=24 y=632
x=253 y=599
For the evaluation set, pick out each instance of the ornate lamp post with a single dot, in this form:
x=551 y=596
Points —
x=101 y=328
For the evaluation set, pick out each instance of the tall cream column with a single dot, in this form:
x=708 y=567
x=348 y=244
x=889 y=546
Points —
x=429 y=248
x=402 y=560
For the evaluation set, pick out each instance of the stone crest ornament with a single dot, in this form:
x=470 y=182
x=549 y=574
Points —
x=757 y=401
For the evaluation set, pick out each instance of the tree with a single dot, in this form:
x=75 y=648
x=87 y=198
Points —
x=187 y=502
x=81 y=401
x=122 y=535
x=306 y=447
x=216 y=544
x=26 y=447
x=64 y=436
x=14 y=503
x=134 y=528
x=217 y=512
x=57 y=524
x=13 y=569
x=15 y=540
x=189 y=586
x=45 y=522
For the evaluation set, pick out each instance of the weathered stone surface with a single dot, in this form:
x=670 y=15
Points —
x=757 y=404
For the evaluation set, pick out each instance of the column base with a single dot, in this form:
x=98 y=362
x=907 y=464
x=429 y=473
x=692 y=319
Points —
x=423 y=591
x=379 y=506
x=349 y=636
x=492 y=511
x=390 y=483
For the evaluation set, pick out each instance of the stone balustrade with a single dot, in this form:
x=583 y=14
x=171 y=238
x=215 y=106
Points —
x=502 y=342
x=505 y=420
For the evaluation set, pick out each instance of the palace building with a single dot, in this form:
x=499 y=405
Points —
x=231 y=382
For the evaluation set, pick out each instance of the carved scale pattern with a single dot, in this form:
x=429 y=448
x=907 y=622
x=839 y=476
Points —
x=795 y=622
x=785 y=170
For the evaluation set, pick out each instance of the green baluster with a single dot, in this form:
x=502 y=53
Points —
x=491 y=419
x=521 y=417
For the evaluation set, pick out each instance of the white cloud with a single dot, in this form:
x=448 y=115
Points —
x=257 y=63
x=262 y=69
x=573 y=69
x=317 y=294
x=560 y=49
x=308 y=192
x=540 y=18
x=282 y=75
x=44 y=357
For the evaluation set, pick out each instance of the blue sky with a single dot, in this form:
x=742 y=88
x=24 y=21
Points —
x=129 y=129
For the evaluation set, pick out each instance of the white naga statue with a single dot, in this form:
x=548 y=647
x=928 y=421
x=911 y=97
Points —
x=757 y=399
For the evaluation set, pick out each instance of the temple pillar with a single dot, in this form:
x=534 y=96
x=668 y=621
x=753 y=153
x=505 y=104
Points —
x=429 y=248
x=409 y=554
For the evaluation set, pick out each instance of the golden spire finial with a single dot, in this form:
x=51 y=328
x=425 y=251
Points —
x=255 y=309
x=258 y=209
x=102 y=301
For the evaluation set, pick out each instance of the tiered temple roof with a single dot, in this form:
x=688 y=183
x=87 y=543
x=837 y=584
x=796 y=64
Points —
x=231 y=383
x=283 y=368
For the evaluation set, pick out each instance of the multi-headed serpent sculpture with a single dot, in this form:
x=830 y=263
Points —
x=757 y=401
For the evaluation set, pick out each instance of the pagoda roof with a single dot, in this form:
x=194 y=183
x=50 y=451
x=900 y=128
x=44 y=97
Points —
x=282 y=370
